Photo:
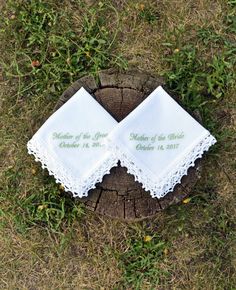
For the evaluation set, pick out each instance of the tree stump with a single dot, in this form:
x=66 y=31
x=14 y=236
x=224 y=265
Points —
x=119 y=195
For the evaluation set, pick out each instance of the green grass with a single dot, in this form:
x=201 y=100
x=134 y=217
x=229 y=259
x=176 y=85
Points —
x=46 y=56
x=47 y=238
x=197 y=79
x=148 y=14
x=202 y=81
x=48 y=53
x=141 y=262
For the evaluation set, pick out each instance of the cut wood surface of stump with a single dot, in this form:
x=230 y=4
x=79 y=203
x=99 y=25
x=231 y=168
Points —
x=119 y=195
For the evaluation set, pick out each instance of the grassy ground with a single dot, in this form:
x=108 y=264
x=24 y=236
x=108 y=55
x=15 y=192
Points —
x=48 y=241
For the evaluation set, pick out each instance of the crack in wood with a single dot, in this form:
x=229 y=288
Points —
x=97 y=202
x=122 y=99
x=124 y=208
x=112 y=87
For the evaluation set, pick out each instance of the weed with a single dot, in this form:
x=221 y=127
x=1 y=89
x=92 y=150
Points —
x=208 y=35
x=48 y=206
x=185 y=78
x=48 y=54
x=198 y=82
x=202 y=82
x=221 y=76
x=148 y=14
x=51 y=208
x=141 y=262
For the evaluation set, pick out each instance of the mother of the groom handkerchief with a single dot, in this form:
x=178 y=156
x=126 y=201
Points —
x=70 y=144
x=158 y=142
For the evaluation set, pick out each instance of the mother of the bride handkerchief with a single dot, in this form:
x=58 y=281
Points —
x=158 y=142
x=70 y=144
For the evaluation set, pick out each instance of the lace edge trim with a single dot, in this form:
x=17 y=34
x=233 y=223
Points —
x=79 y=187
x=165 y=185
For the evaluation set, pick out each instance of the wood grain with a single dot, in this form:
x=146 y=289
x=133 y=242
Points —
x=119 y=195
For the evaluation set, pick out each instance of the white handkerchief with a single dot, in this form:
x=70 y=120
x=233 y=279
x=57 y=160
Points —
x=70 y=144
x=158 y=142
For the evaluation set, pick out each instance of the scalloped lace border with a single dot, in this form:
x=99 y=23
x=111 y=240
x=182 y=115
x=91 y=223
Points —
x=79 y=187
x=167 y=183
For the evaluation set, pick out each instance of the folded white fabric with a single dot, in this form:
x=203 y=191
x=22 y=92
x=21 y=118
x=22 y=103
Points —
x=158 y=142
x=70 y=144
